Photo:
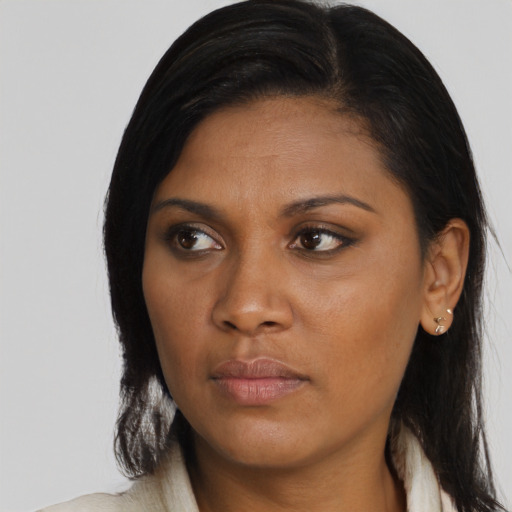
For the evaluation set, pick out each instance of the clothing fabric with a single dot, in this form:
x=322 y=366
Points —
x=170 y=490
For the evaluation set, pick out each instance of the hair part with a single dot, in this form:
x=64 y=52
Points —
x=348 y=55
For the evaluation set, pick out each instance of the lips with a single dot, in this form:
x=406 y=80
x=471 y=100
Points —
x=256 y=382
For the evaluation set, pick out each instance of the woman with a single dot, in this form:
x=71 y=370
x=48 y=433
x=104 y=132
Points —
x=295 y=240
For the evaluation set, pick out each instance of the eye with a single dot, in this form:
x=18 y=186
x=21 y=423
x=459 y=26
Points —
x=319 y=240
x=189 y=238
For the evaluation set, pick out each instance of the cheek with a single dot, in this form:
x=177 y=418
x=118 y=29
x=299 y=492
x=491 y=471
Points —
x=178 y=315
x=365 y=325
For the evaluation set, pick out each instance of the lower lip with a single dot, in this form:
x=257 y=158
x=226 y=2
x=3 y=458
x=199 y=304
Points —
x=258 y=391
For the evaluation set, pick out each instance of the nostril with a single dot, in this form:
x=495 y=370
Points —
x=230 y=325
x=234 y=327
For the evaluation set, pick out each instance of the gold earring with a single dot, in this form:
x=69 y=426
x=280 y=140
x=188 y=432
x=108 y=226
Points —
x=438 y=319
x=440 y=328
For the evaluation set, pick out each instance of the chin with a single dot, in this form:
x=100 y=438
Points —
x=259 y=445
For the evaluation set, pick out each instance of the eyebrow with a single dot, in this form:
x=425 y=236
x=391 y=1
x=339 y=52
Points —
x=301 y=206
x=201 y=209
x=316 y=202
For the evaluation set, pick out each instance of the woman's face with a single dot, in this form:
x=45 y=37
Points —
x=284 y=284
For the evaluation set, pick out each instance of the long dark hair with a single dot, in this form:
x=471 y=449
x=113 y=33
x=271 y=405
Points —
x=259 y=48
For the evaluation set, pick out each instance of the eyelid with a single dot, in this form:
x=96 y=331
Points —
x=173 y=230
x=345 y=241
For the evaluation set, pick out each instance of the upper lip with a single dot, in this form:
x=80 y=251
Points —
x=256 y=369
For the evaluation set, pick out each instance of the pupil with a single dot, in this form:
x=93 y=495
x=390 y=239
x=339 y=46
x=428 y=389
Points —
x=311 y=240
x=187 y=239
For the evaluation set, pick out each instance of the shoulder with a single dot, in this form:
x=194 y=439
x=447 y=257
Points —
x=141 y=497
x=144 y=496
x=169 y=488
x=92 y=502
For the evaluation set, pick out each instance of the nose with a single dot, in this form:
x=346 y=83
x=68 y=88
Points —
x=254 y=298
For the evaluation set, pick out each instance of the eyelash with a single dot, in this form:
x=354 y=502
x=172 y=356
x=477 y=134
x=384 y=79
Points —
x=173 y=232
x=171 y=237
x=344 y=241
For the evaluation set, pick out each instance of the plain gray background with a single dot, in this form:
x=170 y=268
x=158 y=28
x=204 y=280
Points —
x=70 y=74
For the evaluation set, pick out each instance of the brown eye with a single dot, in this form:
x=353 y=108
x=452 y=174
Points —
x=319 y=240
x=311 y=240
x=187 y=239
x=191 y=239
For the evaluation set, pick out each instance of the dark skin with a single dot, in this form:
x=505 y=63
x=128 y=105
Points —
x=280 y=237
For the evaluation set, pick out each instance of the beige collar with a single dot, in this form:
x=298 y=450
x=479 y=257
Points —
x=424 y=494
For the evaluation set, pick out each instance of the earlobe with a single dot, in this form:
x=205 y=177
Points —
x=445 y=271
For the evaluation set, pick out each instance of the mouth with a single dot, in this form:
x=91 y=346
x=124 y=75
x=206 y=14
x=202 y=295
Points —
x=256 y=382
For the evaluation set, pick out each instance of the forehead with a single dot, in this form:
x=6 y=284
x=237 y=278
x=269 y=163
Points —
x=278 y=149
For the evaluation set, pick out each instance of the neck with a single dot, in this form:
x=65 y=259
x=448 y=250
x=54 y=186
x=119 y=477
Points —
x=356 y=480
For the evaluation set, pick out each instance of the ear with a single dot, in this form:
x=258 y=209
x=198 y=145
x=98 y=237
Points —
x=445 y=270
